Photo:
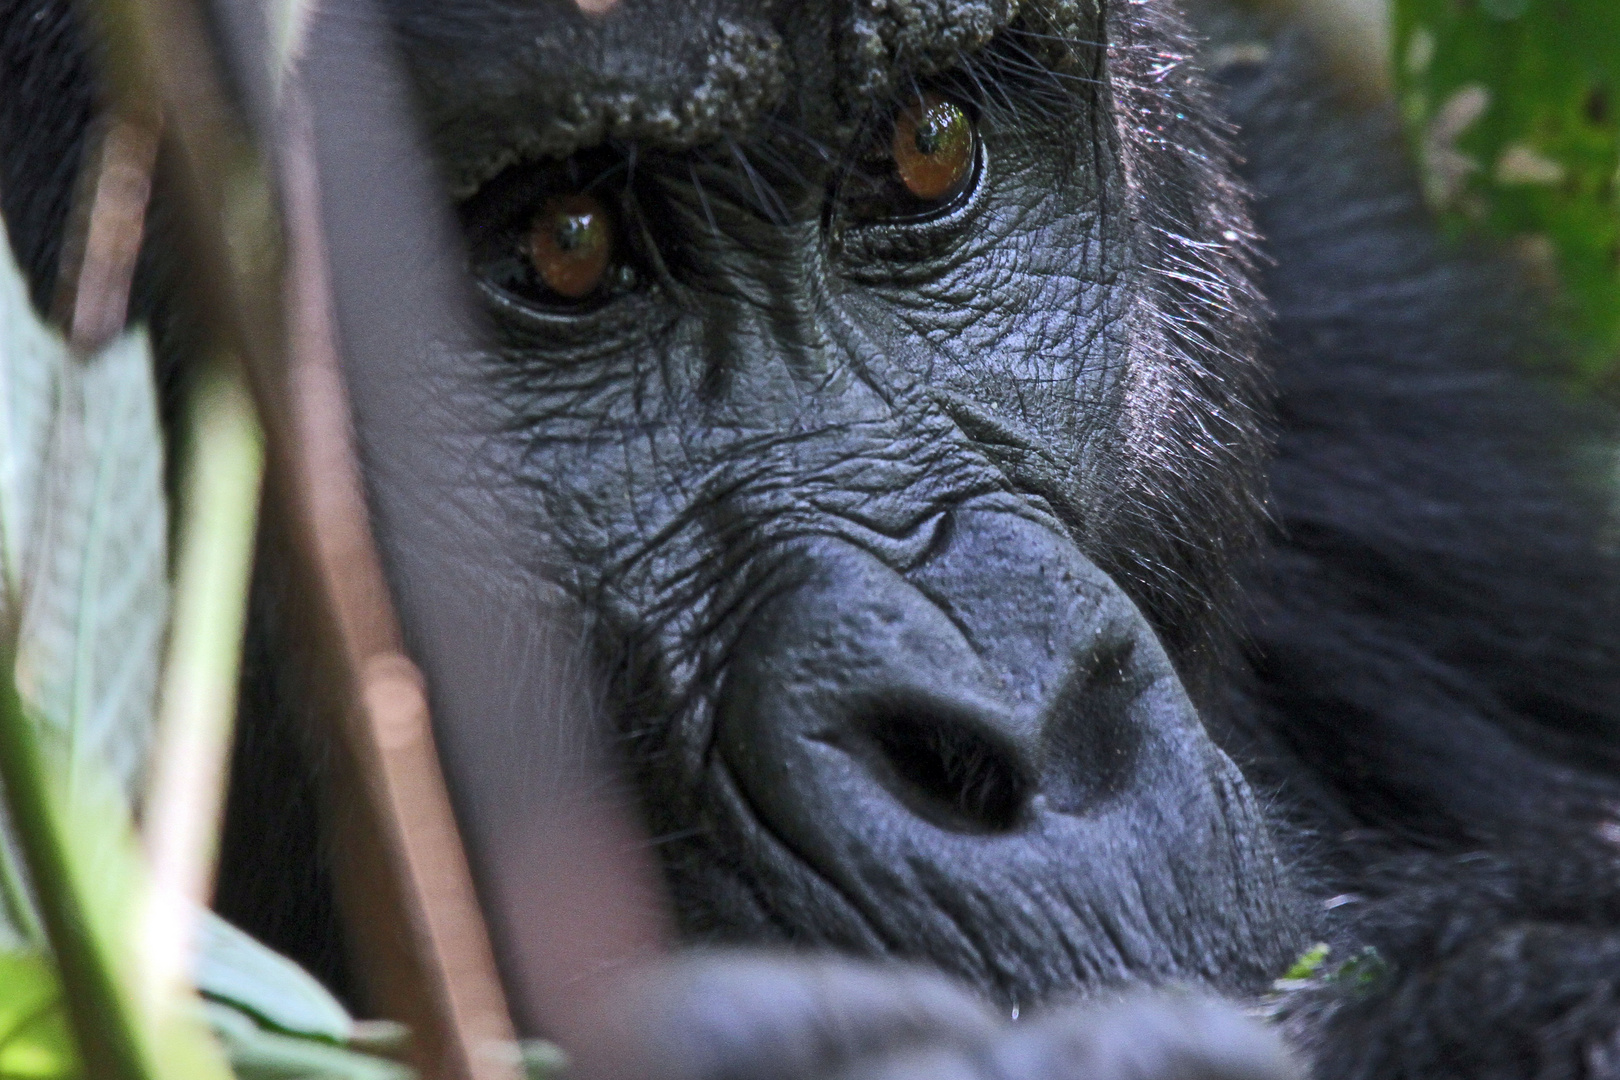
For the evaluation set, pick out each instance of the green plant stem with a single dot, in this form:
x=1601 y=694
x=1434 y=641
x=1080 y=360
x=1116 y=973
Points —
x=15 y=900
x=197 y=703
x=102 y=1016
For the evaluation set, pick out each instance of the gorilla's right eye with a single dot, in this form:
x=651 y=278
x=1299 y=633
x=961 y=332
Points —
x=570 y=245
x=549 y=238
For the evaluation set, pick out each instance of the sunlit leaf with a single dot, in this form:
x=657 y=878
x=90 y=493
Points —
x=35 y=1043
x=1514 y=107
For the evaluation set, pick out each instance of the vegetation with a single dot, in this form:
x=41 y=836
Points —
x=1513 y=108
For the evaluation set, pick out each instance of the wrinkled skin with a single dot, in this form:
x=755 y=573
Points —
x=921 y=548
x=852 y=493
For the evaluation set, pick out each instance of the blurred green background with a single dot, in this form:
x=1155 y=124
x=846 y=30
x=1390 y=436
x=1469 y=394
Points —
x=1512 y=109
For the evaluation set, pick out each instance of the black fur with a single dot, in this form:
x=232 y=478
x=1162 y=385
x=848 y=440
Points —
x=1436 y=641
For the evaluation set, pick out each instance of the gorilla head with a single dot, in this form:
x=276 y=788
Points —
x=879 y=379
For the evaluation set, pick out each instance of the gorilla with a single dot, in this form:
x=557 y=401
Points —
x=1048 y=508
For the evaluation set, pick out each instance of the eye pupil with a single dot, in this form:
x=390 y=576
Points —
x=571 y=244
x=574 y=231
x=933 y=147
x=931 y=136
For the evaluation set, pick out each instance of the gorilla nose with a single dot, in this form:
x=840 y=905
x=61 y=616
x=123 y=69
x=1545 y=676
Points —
x=1004 y=678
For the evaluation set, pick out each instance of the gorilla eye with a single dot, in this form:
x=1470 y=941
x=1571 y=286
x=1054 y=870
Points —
x=916 y=170
x=933 y=148
x=570 y=244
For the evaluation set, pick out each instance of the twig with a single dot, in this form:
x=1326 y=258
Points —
x=389 y=728
x=197 y=702
x=98 y=261
x=572 y=896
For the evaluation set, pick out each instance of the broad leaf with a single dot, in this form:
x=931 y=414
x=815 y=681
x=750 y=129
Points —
x=83 y=537
x=258 y=1053
x=85 y=597
x=95 y=593
x=35 y=1043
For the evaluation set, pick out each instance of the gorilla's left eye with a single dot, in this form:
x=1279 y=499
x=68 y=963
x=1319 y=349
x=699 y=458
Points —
x=570 y=244
x=933 y=148
x=925 y=164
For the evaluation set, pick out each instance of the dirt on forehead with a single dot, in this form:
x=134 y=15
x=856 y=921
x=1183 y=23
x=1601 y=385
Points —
x=515 y=82
x=886 y=38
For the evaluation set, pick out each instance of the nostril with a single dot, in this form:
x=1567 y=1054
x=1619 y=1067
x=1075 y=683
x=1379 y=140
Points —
x=947 y=767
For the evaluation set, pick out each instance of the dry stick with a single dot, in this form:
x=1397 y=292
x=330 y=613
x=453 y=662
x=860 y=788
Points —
x=570 y=889
x=389 y=726
x=109 y=219
x=158 y=53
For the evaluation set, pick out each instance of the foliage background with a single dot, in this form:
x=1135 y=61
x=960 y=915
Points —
x=1513 y=110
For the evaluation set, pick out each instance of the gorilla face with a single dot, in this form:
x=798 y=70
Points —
x=878 y=377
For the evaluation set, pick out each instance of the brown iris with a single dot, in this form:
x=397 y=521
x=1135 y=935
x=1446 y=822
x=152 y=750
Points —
x=571 y=244
x=933 y=147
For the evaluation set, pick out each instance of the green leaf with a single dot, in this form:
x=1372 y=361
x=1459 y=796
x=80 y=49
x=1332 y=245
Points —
x=91 y=636
x=1309 y=963
x=32 y=358
x=542 y=1060
x=35 y=1042
x=1514 y=107
x=84 y=538
x=276 y=1022
x=235 y=969
x=83 y=551
x=260 y=1054
x=284 y=1025
x=72 y=826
